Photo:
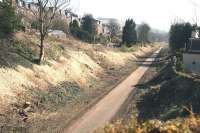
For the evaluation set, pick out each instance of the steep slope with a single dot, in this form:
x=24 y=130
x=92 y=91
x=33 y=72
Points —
x=73 y=74
x=166 y=101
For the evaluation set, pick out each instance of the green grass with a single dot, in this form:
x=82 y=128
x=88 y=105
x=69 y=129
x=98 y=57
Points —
x=57 y=97
x=29 y=49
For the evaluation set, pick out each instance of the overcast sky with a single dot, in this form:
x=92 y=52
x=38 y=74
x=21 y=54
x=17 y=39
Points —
x=158 y=13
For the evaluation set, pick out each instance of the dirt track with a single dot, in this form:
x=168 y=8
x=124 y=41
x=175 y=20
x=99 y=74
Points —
x=105 y=109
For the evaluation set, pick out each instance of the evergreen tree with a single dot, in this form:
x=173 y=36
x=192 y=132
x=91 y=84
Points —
x=9 y=22
x=74 y=28
x=74 y=24
x=89 y=24
x=129 y=36
x=143 y=33
x=179 y=35
x=114 y=28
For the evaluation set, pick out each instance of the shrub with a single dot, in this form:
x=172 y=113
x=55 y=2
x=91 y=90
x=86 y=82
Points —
x=35 y=25
x=60 y=24
x=179 y=35
x=85 y=36
x=82 y=35
x=102 y=39
x=10 y=22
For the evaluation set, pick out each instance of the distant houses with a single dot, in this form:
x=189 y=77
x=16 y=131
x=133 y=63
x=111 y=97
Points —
x=26 y=8
x=72 y=16
x=12 y=2
x=57 y=33
x=102 y=28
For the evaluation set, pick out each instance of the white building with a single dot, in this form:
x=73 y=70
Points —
x=191 y=56
x=57 y=33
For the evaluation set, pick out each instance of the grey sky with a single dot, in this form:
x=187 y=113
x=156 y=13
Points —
x=158 y=13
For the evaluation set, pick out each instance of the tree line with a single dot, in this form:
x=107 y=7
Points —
x=179 y=35
x=132 y=36
x=86 y=29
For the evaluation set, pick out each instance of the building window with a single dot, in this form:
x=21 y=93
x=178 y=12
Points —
x=194 y=63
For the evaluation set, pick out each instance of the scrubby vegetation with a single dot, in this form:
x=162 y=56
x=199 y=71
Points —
x=168 y=102
x=61 y=87
x=188 y=125
x=47 y=81
x=86 y=30
x=180 y=34
x=10 y=22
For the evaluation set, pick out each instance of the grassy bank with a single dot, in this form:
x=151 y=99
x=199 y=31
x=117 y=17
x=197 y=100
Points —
x=166 y=102
x=73 y=77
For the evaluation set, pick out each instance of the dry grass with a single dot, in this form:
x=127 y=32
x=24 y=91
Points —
x=67 y=60
x=79 y=63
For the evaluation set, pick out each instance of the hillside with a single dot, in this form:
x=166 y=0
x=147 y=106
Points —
x=73 y=77
x=166 y=101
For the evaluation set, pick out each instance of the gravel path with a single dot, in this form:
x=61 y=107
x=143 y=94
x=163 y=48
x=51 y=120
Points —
x=106 y=108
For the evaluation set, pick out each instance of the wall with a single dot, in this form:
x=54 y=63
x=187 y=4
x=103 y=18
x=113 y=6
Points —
x=191 y=62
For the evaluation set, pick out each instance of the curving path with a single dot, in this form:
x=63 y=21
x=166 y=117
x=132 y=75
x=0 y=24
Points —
x=106 y=108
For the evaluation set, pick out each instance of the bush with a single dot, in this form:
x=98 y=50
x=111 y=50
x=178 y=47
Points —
x=35 y=25
x=88 y=24
x=82 y=35
x=9 y=21
x=102 y=39
x=87 y=31
x=116 y=39
x=60 y=24
x=179 y=35
x=23 y=48
x=85 y=36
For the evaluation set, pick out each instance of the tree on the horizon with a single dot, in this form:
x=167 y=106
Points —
x=114 y=29
x=179 y=35
x=129 y=36
x=74 y=28
x=59 y=24
x=88 y=24
x=143 y=33
x=89 y=28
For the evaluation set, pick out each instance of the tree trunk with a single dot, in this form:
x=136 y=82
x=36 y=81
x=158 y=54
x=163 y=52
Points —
x=41 y=57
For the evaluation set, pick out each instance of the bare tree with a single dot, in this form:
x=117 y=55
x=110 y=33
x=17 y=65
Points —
x=143 y=33
x=114 y=28
x=45 y=12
